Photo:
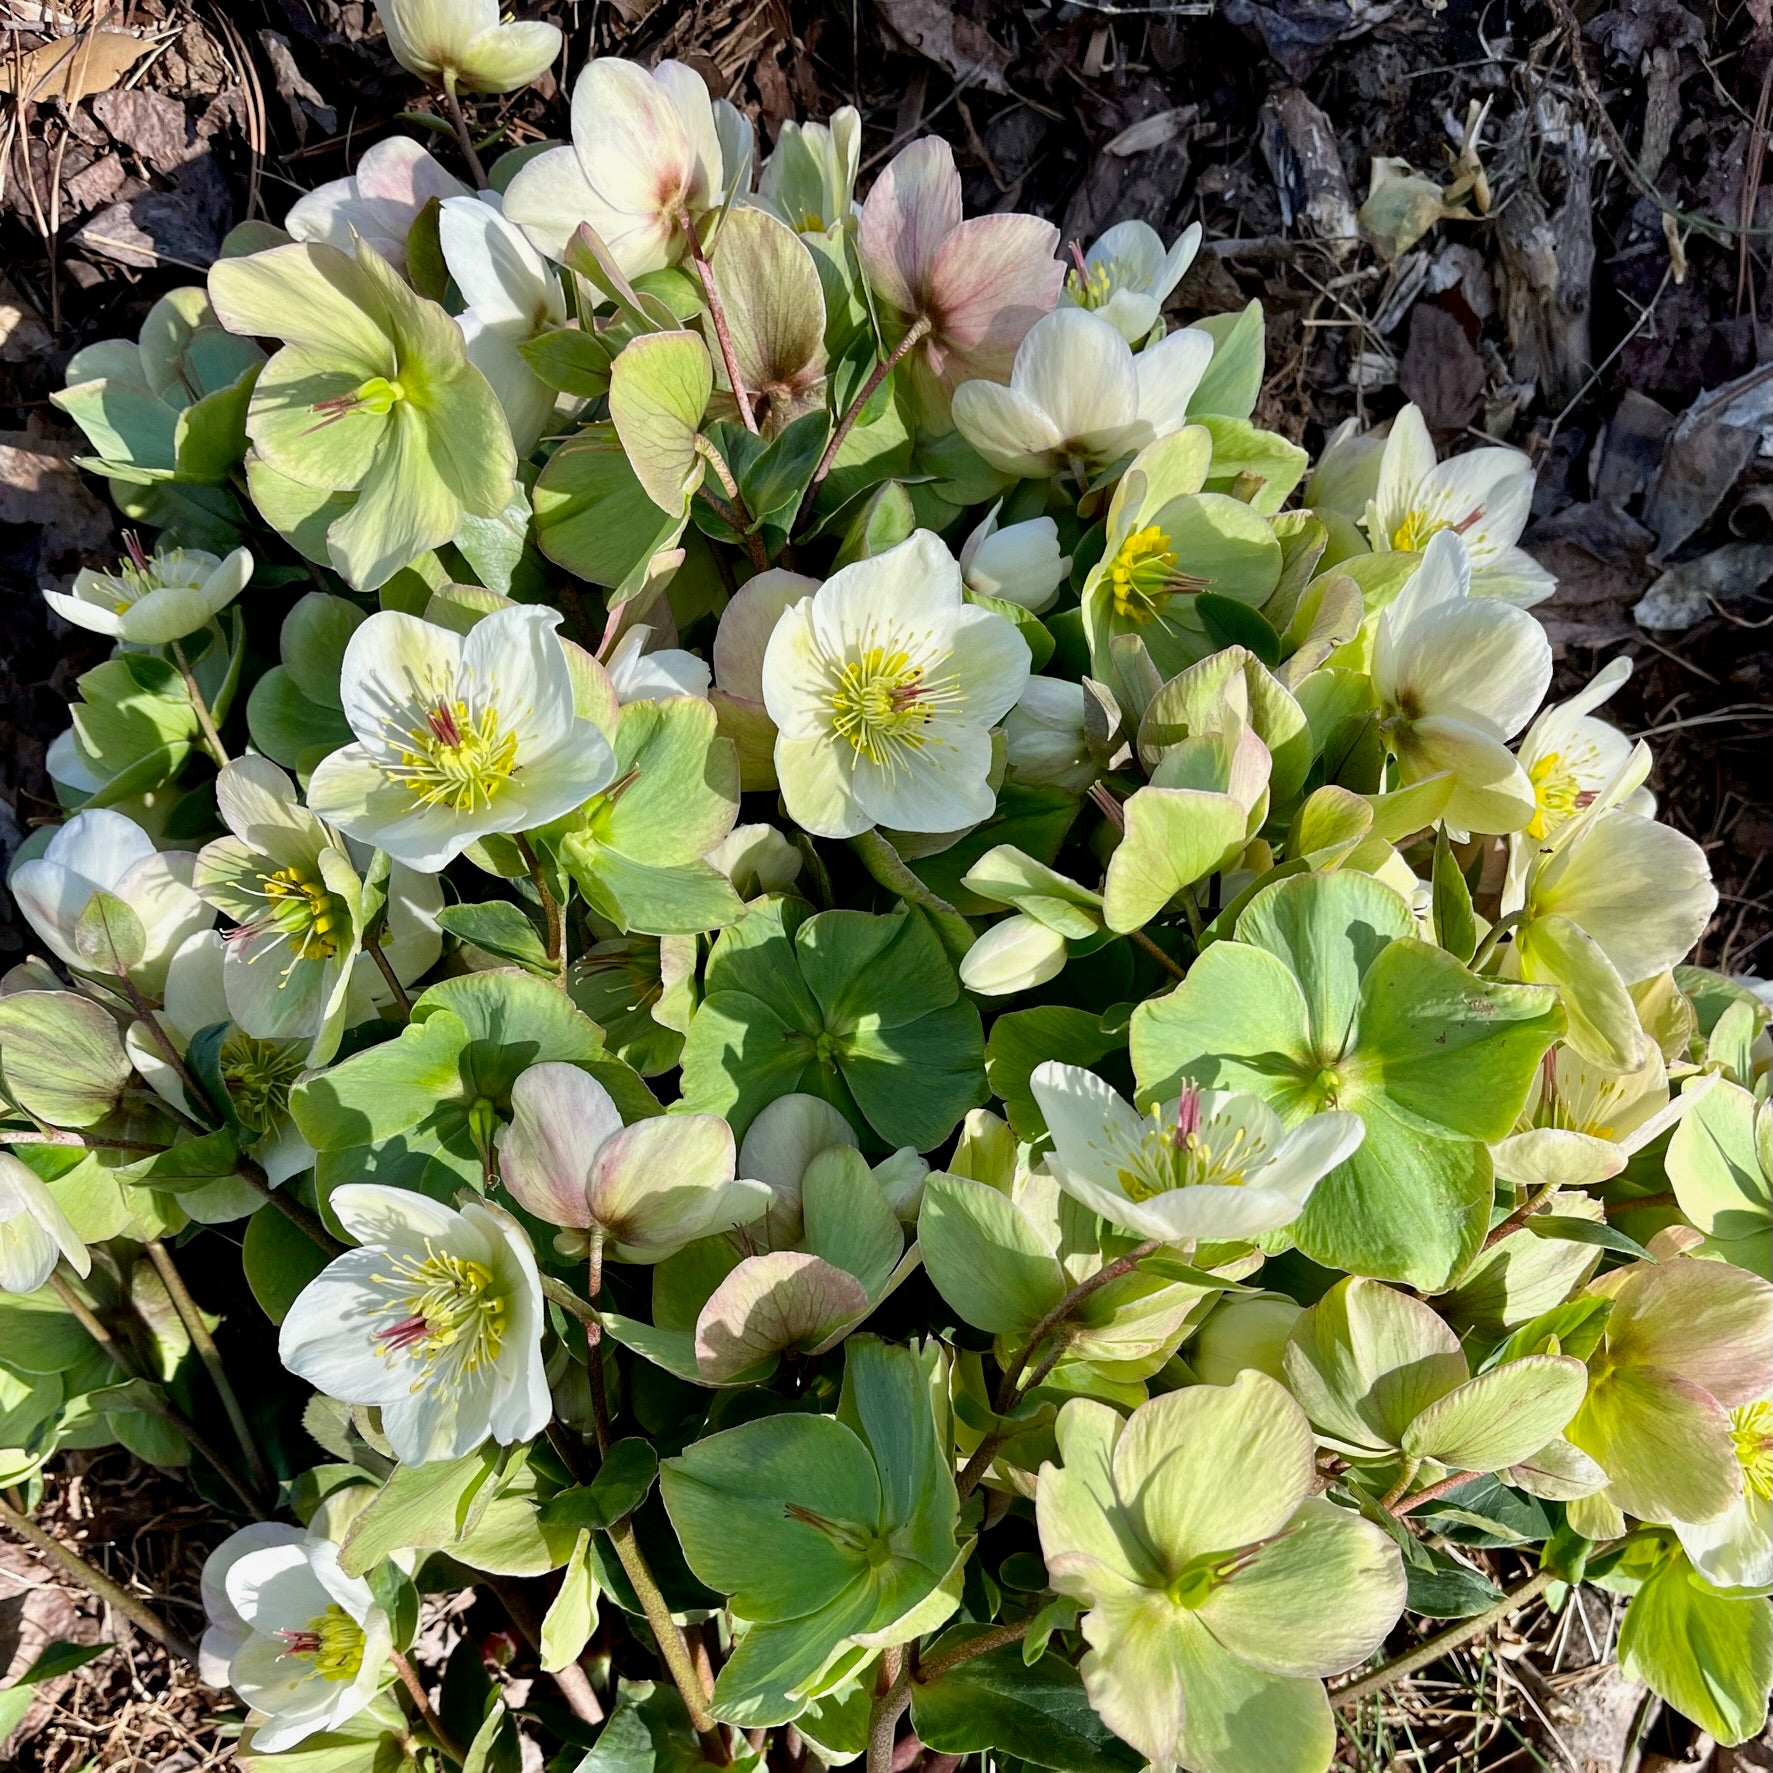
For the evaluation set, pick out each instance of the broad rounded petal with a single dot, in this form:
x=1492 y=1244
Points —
x=630 y=138
x=1708 y=1321
x=943 y=786
x=501 y=276
x=274 y=996
x=351 y=791
x=818 y=784
x=275 y=1586
x=1491 y=792
x=1476 y=661
x=747 y=624
x=510 y=55
x=1007 y=429
x=1407 y=461
x=688 y=92
x=1603 y=1021
x=1094 y=1128
x=889 y=598
x=374 y=1213
x=52 y=898
x=914 y=205
x=308 y=295
x=1014 y=955
x=992 y=660
x=785 y=1299
x=561 y=1118
x=1236 y=1719
x=1076 y=369
x=1736 y=1549
x=991 y=280
x=329 y=1336
x=663 y=1181
x=1309 y=1152
x=213 y=1586
x=394 y=662
x=94 y=617
x=1085 y=1533
x=1318 y=1598
x=101 y=846
x=1663 y=1442
x=797 y=677
x=1485 y=494
x=548 y=197
x=1216 y=1467
x=1167 y=374
x=514 y=660
x=430 y=1423
x=1512 y=575
x=779 y=1144
x=259 y=804
x=1136 y=1671
x=554 y=781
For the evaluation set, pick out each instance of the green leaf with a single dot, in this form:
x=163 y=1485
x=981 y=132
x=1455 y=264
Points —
x=1243 y=454
x=501 y=928
x=420 y=1506
x=384 y=1090
x=1234 y=377
x=1596 y=1233
x=1023 y=1039
x=680 y=792
x=61 y=1057
x=985 y=1258
x=1231 y=623
x=1174 y=837
x=289 y=726
x=1455 y=925
x=659 y=388
x=593 y=516
x=569 y=359
x=620 y=1486
x=774 y=481
x=280 y=1259
x=1446 y=1590
x=624 y=1745
x=572 y=1614
x=108 y=936
x=496 y=1747
x=396 y=1596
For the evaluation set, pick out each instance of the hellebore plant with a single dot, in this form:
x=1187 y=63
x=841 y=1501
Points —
x=858 y=1002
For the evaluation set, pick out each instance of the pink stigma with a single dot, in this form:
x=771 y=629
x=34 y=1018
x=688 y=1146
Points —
x=300 y=1643
x=1187 y=1113
x=408 y=1333
x=442 y=722
x=1077 y=258
x=1468 y=520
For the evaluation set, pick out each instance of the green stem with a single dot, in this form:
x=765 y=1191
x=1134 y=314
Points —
x=285 y=1202
x=569 y=1301
x=552 y=909
x=211 y=1356
x=77 y=1569
x=1405 y=1479
x=1487 y=947
x=212 y=739
x=670 y=1641
x=459 y=124
x=372 y=946
x=982 y=1645
x=1520 y=1215
x=736 y=513
x=1434 y=1648
x=1431 y=1492
x=888 y=1707
x=1139 y=939
x=887 y=867
x=594 y=1344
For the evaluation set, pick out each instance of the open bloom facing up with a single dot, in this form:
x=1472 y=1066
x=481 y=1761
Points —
x=1456 y=676
x=644 y=1190
x=154 y=600
x=457 y=736
x=437 y=1318
x=1127 y=276
x=102 y=851
x=1077 y=390
x=1220 y=1592
x=301 y=1642
x=1484 y=496
x=884 y=686
x=1569 y=756
x=1208 y=1165
x=461 y=44
x=647 y=149
x=980 y=284
x=1019 y=562
x=378 y=203
x=34 y=1232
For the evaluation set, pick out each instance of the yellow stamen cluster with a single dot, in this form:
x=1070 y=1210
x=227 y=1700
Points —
x=1751 y=1428
x=332 y=1641
x=445 y=1306
x=1090 y=286
x=1143 y=576
x=1172 y=1158
x=259 y=1075
x=457 y=756
x=1557 y=795
x=881 y=703
x=304 y=911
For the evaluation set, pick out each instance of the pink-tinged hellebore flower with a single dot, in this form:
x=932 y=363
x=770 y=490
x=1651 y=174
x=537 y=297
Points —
x=979 y=284
x=378 y=203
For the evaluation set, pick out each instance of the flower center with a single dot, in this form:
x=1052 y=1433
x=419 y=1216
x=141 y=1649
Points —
x=1143 y=576
x=304 y=911
x=1090 y=286
x=1183 y=1156
x=378 y=395
x=1557 y=795
x=881 y=704
x=1751 y=1428
x=457 y=757
x=332 y=1641
x=1194 y=1583
x=1411 y=536
x=1579 y=1109
x=259 y=1075
x=445 y=1306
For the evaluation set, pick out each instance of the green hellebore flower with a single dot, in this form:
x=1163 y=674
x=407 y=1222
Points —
x=371 y=409
x=1219 y=1591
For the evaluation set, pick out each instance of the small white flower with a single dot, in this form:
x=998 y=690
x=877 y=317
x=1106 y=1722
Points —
x=1484 y=496
x=377 y=204
x=1019 y=563
x=462 y=44
x=306 y=1645
x=1015 y=954
x=1456 y=676
x=513 y=295
x=1077 y=390
x=457 y=736
x=642 y=676
x=809 y=179
x=645 y=1190
x=1207 y=1165
x=102 y=851
x=153 y=601
x=437 y=1318
x=34 y=1232
x=1047 y=741
x=226 y=1631
x=1127 y=276
x=884 y=686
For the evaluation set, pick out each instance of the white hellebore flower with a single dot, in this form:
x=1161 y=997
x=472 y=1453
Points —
x=1207 y=1165
x=1015 y=954
x=513 y=294
x=457 y=737
x=642 y=1192
x=1019 y=563
x=1456 y=676
x=154 y=600
x=884 y=686
x=34 y=1232
x=1077 y=390
x=462 y=46
x=306 y=1645
x=226 y=1632
x=102 y=851
x=1127 y=276
x=809 y=179
x=648 y=147
x=437 y=1318
x=642 y=676
x=1047 y=737
x=1735 y=1549
x=378 y=203
x=1484 y=496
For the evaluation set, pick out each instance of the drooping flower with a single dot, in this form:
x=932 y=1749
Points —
x=306 y=1645
x=884 y=686
x=1127 y=275
x=1735 y=1549
x=154 y=600
x=648 y=148
x=462 y=45
x=35 y=1234
x=378 y=203
x=1048 y=738
x=1569 y=756
x=1455 y=676
x=1484 y=496
x=437 y=1318
x=1019 y=563
x=512 y=295
x=1208 y=1165
x=102 y=851
x=642 y=1192
x=1077 y=391
x=809 y=179
x=1220 y=1589
x=1015 y=954
x=980 y=283
x=457 y=736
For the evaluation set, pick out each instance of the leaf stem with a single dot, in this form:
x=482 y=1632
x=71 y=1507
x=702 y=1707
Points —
x=1405 y=1479
x=888 y=1707
x=459 y=124
x=307 y=1223
x=1442 y=1642
x=672 y=1647
x=1139 y=939
x=551 y=908
x=1520 y=1215
x=918 y=331
x=94 y=1581
x=569 y=1301
x=409 y=1679
x=212 y=740
x=1487 y=947
x=1432 y=1492
x=372 y=946
x=736 y=514
x=717 y=315
x=192 y=1317
x=936 y=1666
